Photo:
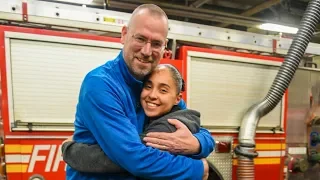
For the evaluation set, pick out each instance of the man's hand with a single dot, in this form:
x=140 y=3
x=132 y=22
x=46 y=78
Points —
x=68 y=139
x=180 y=142
x=205 y=169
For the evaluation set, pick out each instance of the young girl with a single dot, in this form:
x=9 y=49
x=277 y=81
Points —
x=159 y=98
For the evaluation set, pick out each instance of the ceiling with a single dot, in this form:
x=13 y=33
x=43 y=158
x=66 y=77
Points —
x=242 y=15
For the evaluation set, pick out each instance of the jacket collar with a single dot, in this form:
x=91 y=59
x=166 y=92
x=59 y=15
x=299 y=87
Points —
x=124 y=70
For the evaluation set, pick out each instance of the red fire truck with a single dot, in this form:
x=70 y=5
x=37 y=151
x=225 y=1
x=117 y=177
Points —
x=43 y=63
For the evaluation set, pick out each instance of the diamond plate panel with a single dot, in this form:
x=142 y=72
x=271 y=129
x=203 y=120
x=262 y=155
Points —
x=223 y=161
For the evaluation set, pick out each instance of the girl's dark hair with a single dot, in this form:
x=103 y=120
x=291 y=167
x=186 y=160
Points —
x=179 y=82
x=183 y=88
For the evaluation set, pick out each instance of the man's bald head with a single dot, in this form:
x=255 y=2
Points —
x=151 y=9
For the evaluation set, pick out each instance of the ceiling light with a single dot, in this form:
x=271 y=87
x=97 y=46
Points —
x=87 y=1
x=278 y=28
x=80 y=1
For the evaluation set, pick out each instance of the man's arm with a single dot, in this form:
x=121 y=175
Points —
x=200 y=145
x=206 y=142
x=104 y=116
x=90 y=158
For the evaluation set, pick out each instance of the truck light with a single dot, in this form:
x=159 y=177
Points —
x=223 y=147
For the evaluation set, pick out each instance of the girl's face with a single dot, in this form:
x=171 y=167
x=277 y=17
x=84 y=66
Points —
x=159 y=93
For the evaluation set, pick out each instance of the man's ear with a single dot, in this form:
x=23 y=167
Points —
x=166 y=44
x=124 y=33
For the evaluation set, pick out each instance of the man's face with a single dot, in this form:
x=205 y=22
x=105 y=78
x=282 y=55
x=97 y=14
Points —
x=144 y=43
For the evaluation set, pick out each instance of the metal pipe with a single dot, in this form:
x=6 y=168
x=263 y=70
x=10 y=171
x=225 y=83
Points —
x=246 y=148
x=198 y=3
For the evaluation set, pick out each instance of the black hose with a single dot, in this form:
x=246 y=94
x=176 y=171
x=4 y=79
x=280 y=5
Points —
x=308 y=25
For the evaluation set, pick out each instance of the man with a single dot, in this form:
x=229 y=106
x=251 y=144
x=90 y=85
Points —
x=109 y=112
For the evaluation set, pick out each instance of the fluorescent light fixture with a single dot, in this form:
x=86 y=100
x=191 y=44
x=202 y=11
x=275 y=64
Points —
x=86 y=1
x=80 y=1
x=278 y=28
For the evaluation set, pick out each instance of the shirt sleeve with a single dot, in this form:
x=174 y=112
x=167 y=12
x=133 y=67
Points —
x=204 y=137
x=103 y=115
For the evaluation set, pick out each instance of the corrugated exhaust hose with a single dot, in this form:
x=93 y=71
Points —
x=246 y=148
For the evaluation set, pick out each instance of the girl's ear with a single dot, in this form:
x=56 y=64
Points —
x=178 y=98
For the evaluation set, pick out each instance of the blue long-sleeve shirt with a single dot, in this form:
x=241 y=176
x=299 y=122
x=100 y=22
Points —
x=109 y=114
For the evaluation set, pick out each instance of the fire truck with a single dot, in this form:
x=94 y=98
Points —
x=47 y=48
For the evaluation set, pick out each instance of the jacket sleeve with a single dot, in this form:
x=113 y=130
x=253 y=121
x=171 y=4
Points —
x=182 y=104
x=104 y=116
x=204 y=137
x=207 y=143
x=88 y=158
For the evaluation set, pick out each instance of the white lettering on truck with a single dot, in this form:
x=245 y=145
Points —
x=36 y=157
